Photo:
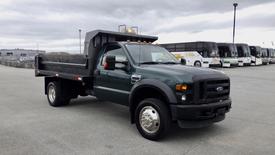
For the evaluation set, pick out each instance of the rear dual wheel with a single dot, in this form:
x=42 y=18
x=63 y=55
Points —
x=55 y=95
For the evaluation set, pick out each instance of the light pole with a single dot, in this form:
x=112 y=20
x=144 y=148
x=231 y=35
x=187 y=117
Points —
x=79 y=40
x=234 y=23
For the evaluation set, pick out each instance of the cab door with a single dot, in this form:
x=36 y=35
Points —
x=114 y=85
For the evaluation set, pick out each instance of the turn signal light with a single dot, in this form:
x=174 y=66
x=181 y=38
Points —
x=181 y=87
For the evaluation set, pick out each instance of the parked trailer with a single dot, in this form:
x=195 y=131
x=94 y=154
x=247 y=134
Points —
x=208 y=50
x=228 y=54
x=256 y=55
x=244 y=54
x=121 y=68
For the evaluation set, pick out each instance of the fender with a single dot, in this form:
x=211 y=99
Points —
x=151 y=83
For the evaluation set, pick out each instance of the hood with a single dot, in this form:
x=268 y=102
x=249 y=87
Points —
x=180 y=73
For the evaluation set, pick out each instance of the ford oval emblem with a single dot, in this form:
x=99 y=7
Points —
x=219 y=89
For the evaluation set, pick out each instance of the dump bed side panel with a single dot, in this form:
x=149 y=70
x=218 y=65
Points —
x=63 y=65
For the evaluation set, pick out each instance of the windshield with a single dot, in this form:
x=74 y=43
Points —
x=150 y=54
x=233 y=50
x=270 y=54
x=264 y=52
x=246 y=51
x=273 y=54
x=205 y=49
x=255 y=51
x=227 y=51
x=243 y=51
x=213 y=50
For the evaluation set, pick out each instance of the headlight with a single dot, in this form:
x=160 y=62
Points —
x=181 y=87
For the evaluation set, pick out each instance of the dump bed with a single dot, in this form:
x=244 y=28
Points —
x=69 y=66
x=76 y=66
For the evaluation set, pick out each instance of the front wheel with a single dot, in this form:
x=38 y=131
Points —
x=152 y=119
x=55 y=96
x=197 y=64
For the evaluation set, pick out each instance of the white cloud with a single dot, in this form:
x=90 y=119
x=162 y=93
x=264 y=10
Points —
x=255 y=25
x=54 y=24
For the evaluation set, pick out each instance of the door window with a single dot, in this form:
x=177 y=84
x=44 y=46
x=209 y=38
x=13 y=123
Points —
x=116 y=51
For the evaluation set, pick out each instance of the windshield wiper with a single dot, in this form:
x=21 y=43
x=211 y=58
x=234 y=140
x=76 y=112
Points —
x=149 y=62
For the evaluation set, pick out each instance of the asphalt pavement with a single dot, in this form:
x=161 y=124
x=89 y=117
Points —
x=28 y=125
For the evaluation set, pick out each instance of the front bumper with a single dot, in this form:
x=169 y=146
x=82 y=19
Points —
x=215 y=65
x=247 y=64
x=196 y=116
x=234 y=64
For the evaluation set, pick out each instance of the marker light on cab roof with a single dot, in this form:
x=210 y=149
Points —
x=130 y=30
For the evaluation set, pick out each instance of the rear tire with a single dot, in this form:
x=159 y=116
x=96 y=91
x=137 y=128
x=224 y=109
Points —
x=55 y=96
x=152 y=119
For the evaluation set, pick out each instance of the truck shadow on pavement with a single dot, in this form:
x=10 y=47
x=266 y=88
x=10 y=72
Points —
x=179 y=134
x=119 y=114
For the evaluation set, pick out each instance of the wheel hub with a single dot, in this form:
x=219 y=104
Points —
x=51 y=94
x=149 y=119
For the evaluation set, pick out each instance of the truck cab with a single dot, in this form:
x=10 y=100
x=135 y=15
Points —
x=244 y=55
x=228 y=54
x=256 y=55
x=129 y=70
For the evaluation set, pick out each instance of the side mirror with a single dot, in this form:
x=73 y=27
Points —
x=110 y=62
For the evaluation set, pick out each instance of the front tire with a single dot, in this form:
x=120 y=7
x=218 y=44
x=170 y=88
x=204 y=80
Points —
x=152 y=119
x=55 y=96
x=197 y=64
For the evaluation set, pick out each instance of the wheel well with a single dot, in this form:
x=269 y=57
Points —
x=47 y=81
x=197 y=61
x=143 y=93
x=69 y=87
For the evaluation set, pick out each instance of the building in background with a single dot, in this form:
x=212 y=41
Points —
x=20 y=54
